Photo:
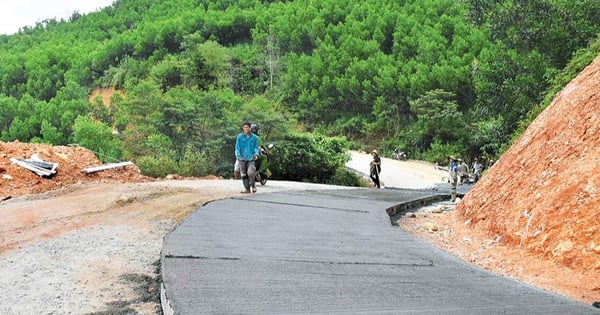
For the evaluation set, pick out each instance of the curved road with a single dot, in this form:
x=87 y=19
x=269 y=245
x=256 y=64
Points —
x=330 y=251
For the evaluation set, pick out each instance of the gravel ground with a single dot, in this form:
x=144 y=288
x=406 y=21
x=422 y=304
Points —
x=51 y=276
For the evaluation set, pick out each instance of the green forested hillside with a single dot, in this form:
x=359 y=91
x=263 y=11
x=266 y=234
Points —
x=432 y=77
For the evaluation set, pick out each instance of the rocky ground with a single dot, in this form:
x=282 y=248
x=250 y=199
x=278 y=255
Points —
x=90 y=244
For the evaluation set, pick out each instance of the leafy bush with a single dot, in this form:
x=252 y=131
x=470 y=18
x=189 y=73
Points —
x=195 y=163
x=345 y=177
x=440 y=152
x=50 y=133
x=156 y=166
x=309 y=157
x=160 y=157
x=98 y=138
x=163 y=159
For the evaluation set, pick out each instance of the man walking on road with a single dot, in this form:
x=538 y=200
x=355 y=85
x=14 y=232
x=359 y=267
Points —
x=246 y=152
x=375 y=168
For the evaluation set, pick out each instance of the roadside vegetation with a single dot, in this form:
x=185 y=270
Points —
x=432 y=78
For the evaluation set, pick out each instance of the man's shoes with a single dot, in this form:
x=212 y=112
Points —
x=254 y=190
x=247 y=191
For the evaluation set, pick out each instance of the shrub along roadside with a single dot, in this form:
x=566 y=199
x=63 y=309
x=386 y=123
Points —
x=312 y=158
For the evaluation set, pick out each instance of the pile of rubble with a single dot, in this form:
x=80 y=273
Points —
x=35 y=168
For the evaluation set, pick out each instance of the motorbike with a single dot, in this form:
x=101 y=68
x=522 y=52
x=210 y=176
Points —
x=262 y=167
x=399 y=155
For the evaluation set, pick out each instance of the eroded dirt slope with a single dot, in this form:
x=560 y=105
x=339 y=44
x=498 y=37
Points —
x=541 y=197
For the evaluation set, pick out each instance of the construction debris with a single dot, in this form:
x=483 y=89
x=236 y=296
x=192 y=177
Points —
x=71 y=161
x=37 y=165
x=103 y=167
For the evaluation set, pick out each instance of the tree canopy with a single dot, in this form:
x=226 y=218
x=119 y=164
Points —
x=428 y=76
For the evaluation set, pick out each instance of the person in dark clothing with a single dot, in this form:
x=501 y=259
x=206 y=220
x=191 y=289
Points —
x=375 y=166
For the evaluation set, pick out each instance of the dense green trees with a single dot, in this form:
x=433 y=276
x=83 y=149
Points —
x=432 y=77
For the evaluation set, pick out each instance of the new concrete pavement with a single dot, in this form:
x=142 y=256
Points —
x=328 y=252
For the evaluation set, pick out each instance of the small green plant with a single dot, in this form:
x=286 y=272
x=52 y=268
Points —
x=345 y=177
x=98 y=138
x=156 y=166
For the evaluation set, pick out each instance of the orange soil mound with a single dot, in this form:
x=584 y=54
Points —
x=16 y=180
x=542 y=195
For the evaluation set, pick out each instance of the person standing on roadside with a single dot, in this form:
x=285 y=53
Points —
x=463 y=171
x=246 y=152
x=477 y=169
x=452 y=176
x=375 y=168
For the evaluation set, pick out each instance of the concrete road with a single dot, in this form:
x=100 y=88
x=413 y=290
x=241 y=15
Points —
x=328 y=252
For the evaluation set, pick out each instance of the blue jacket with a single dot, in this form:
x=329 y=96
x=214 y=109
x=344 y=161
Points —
x=246 y=147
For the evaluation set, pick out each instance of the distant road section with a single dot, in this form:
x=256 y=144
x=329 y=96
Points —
x=409 y=174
